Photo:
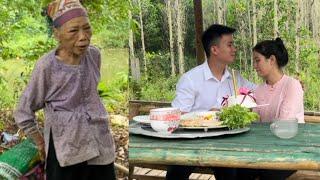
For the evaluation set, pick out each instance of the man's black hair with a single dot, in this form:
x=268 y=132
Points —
x=213 y=35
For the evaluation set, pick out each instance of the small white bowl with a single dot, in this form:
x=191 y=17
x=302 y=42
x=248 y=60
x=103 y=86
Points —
x=165 y=120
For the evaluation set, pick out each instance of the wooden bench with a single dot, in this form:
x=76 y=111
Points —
x=139 y=107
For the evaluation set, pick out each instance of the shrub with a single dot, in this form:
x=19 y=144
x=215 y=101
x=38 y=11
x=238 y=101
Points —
x=115 y=94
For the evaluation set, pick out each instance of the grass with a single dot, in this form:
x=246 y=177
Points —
x=10 y=72
x=13 y=69
x=113 y=62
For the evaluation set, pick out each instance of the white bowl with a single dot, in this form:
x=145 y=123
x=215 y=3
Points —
x=165 y=120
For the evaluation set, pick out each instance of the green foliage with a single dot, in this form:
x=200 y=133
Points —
x=110 y=21
x=14 y=77
x=26 y=48
x=2 y=125
x=6 y=116
x=155 y=31
x=115 y=94
x=109 y=38
x=161 y=89
x=20 y=20
x=158 y=64
x=237 y=116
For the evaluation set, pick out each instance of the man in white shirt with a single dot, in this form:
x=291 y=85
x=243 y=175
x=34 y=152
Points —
x=203 y=87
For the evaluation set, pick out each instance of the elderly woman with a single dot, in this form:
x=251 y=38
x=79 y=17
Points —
x=76 y=142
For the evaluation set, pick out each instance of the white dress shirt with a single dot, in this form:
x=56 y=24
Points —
x=199 y=90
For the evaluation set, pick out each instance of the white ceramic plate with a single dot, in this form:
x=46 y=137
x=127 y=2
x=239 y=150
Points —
x=181 y=133
x=142 y=119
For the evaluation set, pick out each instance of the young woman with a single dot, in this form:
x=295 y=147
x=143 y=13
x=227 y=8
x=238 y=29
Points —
x=76 y=142
x=284 y=94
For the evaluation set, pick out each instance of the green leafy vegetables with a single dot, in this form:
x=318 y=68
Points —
x=237 y=117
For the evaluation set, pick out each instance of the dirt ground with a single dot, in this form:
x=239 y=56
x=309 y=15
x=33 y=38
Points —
x=121 y=138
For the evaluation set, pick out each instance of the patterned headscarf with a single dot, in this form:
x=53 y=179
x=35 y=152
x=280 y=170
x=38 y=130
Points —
x=61 y=11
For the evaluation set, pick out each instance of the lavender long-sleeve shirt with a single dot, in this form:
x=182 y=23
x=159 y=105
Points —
x=73 y=110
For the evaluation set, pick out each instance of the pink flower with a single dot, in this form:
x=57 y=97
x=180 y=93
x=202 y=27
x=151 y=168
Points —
x=244 y=91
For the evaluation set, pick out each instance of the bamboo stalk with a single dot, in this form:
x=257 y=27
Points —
x=234 y=83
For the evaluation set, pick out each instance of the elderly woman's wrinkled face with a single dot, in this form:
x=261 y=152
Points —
x=74 y=36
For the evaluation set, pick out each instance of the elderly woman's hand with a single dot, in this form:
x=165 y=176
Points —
x=39 y=141
x=42 y=152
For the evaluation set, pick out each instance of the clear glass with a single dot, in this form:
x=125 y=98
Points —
x=285 y=128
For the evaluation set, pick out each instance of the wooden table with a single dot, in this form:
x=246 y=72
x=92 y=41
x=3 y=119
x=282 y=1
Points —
x=257 y=149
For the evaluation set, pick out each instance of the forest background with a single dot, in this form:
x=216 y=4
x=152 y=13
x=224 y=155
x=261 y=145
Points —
x=163 y=46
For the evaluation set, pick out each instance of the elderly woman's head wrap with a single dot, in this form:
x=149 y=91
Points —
x=61 y=11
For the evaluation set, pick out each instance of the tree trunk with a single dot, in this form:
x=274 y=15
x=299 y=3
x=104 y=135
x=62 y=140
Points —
x=275 y=19
x=220 y=11
x=315 y=22
x=254 y=26
x=239 y=15
x=244 y=50
x=178 y=5
x=305 y=12
x=286 y=23
x=225 y=10
x=134 y=62
x=250 y=35
x=297 y=29
x=316 y=27
x=199 y=30
x=215 y=12
x=142 y=38
x=173 y=67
